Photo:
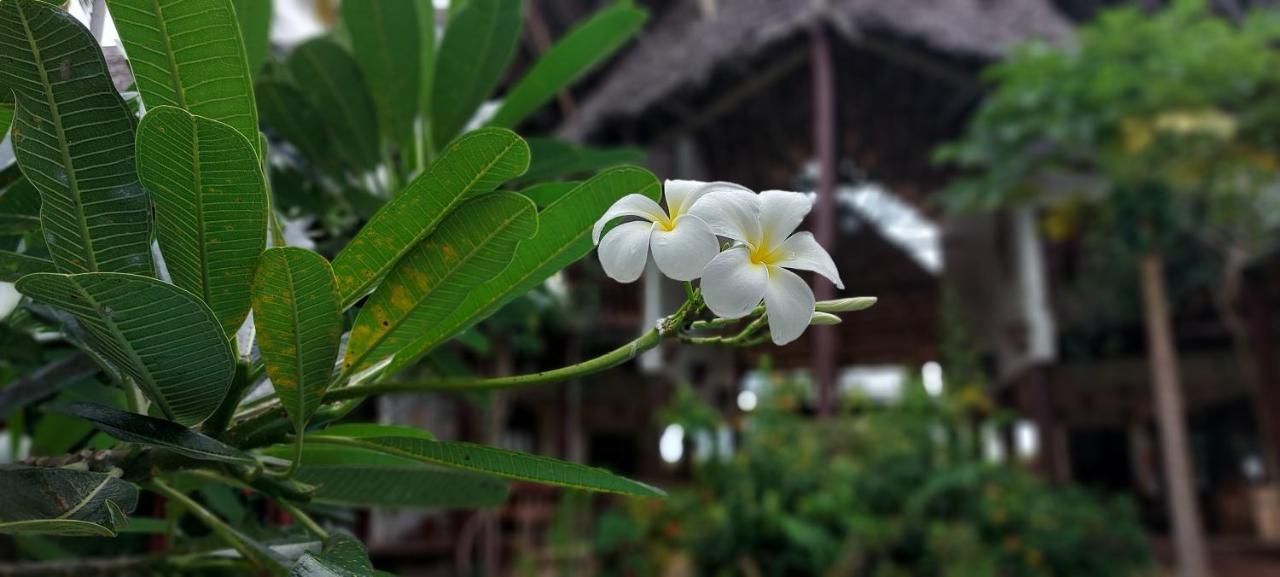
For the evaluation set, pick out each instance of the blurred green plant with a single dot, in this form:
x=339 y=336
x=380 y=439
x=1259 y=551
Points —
x=880 y=490
x=356 y=113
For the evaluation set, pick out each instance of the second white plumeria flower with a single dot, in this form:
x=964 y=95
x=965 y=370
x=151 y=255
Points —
x=682 y=243
x=755 y=268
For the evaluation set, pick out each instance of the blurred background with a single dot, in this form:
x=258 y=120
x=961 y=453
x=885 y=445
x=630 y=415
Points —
x=1066 y=209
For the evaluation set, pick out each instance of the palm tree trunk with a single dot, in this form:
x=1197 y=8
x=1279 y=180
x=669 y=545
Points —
x=1188 y=534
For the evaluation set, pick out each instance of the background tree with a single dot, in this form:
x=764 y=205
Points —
x=1181 y=135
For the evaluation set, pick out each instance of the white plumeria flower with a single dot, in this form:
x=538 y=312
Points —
x=755 y=268
x=681 y=242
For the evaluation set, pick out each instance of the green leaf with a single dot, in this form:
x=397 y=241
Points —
x=66 y=502
x=426 y=64
x=295 y=308
x=554 y=158
x=477 y=162
x=471 y=247
x=73 y=138
x=14 y=266
x=384 y=37
x=547 y=193
x=360 y=430
x=291 y=115
x=412 y=486
x=564 y=236
x=146 y=526
x=570 y=58
x=160 y=335
x=190 y=54
x=6 y=112
x=476 y=48
x=211 y=206
x=343 y=556
x=19 y=207
x=254 y=18
x=498 y=462
x=332 y=80
x=135 y=428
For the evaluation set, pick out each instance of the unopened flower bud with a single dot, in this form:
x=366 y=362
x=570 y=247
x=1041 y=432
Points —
x=820 y=318
x=845 y=305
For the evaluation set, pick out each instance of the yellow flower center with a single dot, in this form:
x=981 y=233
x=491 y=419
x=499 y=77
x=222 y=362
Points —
x=761 y=254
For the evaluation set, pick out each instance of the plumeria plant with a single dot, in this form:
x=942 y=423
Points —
x=211 y=371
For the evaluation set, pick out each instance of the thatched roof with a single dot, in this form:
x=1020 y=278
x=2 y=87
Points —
x=685 y=47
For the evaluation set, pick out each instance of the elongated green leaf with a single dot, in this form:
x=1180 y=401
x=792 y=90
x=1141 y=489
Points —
x=499 y=462
x=547 y=193
x=564 y=236
x=14 y=266
x=476 y=48
x=415 y=486
x=254 y=18
x=470 y=248
x=426 y=66
x=477 y=162
x=384 y=37
x=290 y=114
x=554 y=158
x=45 y=500
x=211 y=206
x=295 y=307
x=360 y=430
x=6 y=112
x=577 y=53
x=73 y=137
x=343 y=556
x=332 y=80
x=135 y=428
x=160 y=335
x=19 y=207
x=190 y=54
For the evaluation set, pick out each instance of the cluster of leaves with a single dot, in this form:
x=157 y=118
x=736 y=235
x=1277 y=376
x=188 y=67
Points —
x=152 y=248
x=880 y=490
x=370 y=106
x=1135 y=103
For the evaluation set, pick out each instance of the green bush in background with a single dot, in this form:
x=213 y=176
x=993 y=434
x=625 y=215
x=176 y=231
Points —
x=880 y=490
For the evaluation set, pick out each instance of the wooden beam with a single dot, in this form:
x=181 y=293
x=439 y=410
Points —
x=825 y=338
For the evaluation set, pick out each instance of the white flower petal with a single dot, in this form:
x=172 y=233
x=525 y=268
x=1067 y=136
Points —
x=789 y=303
x=624 y=251
x=732 y=285
x=9 y=298
x=629 y=205
x=732 y=213
x=682 y=194
x=781 y=213
x=682 y=253
x=802 y=252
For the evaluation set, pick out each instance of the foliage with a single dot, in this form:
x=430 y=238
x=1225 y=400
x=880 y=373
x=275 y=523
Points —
x=130 y=366
x=1161 y=120
x=879 y=490
x=353 y=124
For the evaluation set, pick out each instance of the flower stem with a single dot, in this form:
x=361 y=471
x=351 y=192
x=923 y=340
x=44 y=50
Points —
x=304 y=519
x=603 y=362
x=253 y=553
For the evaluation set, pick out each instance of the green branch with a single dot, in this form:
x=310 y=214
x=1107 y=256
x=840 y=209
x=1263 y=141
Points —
x=603 y=362
x=254 y=553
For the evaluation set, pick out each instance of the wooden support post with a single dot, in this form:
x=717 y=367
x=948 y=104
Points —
x=1262 y=353
x=1188 y=532
x=825 y=338
x=1036 y=402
